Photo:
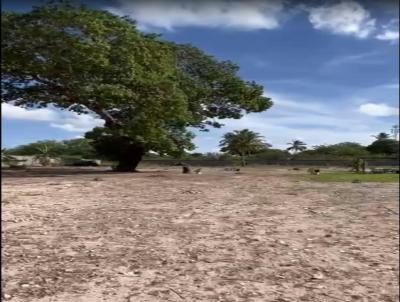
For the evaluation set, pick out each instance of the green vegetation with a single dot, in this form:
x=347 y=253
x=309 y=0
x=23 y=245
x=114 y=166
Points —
x=242 y=143
x=271 y=154
x=351 y=151
x=147 y=90
x=6 y=158
x=73 y=148
x=359 y=165
x=343 y=176
x=384 y=146
x=44 y=154
x=345 y=150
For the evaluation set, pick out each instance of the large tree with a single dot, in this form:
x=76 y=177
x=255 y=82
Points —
x=148 y=91
x=243 y=143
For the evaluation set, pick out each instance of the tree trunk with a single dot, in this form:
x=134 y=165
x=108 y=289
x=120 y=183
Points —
x=120 y=148
x=128 y=161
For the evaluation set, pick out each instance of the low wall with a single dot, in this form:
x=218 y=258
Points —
x=308 y=162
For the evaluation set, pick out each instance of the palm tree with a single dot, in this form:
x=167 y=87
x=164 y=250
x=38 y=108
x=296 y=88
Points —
x=296 y=146
x=43 y=155
x=242 y=143
x=381 y=136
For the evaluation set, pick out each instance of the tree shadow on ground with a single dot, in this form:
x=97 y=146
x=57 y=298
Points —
x=62 y=171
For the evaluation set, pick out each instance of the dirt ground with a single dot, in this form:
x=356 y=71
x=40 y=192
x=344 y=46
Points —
x=260 y=235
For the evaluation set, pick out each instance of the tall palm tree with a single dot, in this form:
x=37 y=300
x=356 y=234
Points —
x=381 y=136
x=296 y=146
x=243 y=143
x=44 y=155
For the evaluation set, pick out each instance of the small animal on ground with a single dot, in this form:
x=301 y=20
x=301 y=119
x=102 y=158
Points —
x=197 y=171
x=313 y=171
x=232 y=169
x=186 y=170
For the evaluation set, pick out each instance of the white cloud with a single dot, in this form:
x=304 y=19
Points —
x=391 y=86
x=246 y=15
x=312 y=129
x=361 y=58
x=390 y=31
x=66 y=120
x=378 y=109
x=346 y=18
x=388 y=35
x=9 y=111
x=288 y=104
x=315 y=121
x=77 y=122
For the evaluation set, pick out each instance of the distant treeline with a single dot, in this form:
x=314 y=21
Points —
x=377 y=162
x=81 y=148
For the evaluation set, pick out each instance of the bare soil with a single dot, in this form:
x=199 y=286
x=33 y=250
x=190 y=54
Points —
x=82 y=235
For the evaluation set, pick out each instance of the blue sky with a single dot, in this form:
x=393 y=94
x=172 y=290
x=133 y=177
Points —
x=331 y=67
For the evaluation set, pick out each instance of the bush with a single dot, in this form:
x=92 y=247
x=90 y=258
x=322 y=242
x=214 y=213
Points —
x=346 y=150
x=384 y=146
x=271 y=154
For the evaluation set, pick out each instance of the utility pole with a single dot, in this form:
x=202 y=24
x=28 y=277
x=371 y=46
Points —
x=395 y=131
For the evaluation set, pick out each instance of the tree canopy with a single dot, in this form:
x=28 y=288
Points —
x=341 y=149
x=243 y=143
x=148 y=91
x=296 y=146
x=384 y=146
x=382 y=135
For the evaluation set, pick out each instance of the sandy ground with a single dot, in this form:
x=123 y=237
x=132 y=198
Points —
x=261 y=235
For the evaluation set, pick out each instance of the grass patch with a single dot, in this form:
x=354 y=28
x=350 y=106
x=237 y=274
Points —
x=350 y=177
